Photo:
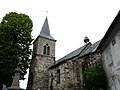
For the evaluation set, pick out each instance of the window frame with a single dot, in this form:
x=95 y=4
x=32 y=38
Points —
x=58 y=76
x=113 y=42
x=46 y=49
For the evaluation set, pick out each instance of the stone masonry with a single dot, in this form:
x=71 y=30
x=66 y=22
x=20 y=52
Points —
x=43 y=57
x=66 y=73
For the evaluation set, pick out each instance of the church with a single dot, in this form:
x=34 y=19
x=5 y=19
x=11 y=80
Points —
x=46 y=73
x=66 y=73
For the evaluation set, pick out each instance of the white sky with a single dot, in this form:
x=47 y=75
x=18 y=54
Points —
x=69 y=20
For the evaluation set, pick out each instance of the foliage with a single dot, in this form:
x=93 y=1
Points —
x=94 y=78
x=15 y=41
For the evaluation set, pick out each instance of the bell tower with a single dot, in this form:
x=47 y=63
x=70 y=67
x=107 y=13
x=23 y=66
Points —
x=43 y=57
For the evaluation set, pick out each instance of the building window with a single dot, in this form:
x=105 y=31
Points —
x=113 y=42
x=46 y=50
x=58 y=76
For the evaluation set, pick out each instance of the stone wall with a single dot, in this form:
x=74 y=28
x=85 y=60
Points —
x=71 y=77
x=39 y=74
x=42 y=42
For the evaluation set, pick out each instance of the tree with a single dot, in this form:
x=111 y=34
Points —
x=15 y=41
x=94 y=78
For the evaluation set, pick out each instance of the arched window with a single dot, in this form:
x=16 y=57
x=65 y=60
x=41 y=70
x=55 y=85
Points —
x=58 y=76
x=46 y=50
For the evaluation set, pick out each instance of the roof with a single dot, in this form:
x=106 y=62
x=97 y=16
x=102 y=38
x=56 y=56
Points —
x=84 y=50
x=110 y=33
x=91 y=49
x=45 y=32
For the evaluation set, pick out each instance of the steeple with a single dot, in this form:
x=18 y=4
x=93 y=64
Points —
x=45 y=32
x=43 y=57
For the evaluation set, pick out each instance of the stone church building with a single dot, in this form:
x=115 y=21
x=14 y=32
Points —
x=46 y=73
x=64 y=74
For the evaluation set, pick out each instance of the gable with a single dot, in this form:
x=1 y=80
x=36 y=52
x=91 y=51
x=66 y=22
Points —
x=111 y=32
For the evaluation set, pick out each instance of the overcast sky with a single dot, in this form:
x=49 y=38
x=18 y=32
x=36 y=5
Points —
x=69 y=20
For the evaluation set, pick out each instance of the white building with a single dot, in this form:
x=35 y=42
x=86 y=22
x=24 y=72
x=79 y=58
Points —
x=110 y=50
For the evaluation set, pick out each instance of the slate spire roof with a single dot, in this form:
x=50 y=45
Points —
x=45 y=31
